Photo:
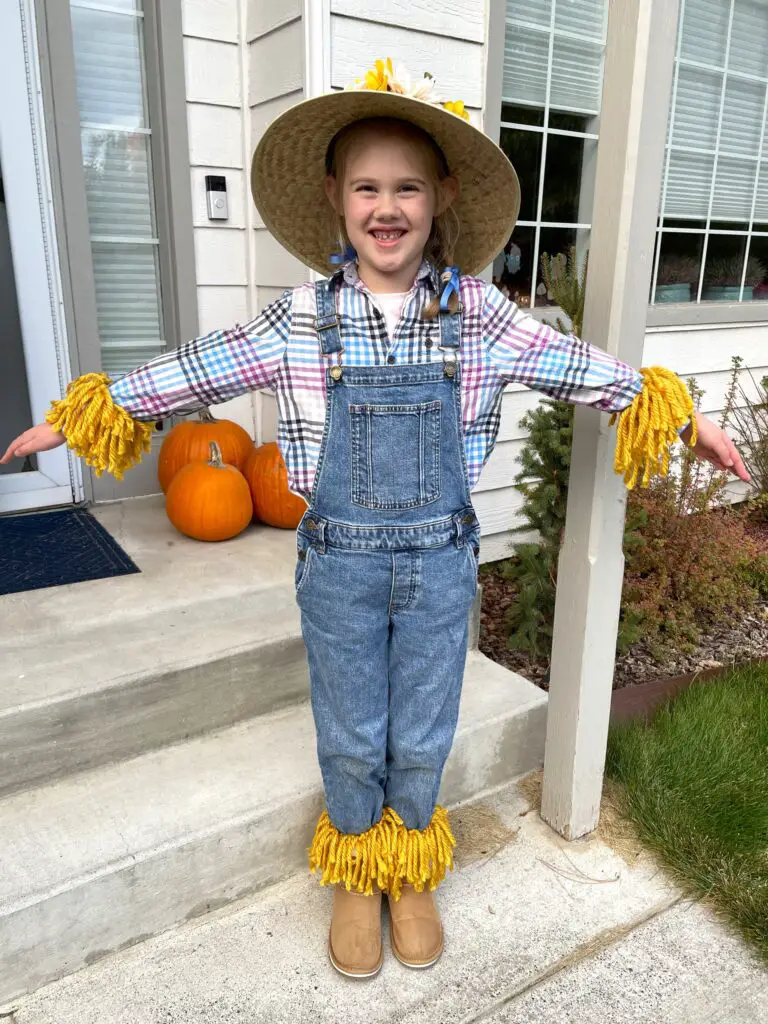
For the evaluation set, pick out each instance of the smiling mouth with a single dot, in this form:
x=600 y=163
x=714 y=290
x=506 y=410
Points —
x=388 y=236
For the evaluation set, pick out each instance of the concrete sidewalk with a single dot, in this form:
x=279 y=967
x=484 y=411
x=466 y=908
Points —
x=537 y=929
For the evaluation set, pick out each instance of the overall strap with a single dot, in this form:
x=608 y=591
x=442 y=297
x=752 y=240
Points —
x=326 y=320
x=450 y=338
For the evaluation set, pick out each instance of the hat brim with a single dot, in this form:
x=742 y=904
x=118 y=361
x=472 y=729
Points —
x=288 y=172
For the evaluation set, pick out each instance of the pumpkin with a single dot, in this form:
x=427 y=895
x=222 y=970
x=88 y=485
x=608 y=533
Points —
x=209 y=500
x=267 y=478
x=189 y=442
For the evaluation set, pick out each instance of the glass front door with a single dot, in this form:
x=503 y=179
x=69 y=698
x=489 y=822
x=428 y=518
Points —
x=34 y=349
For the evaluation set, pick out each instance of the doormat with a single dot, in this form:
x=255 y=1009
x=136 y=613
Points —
x=52 y=549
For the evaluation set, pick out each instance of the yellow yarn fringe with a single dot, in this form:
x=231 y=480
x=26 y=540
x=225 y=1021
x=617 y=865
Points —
x=386 y=857
x=649 y=427
x=96 y=429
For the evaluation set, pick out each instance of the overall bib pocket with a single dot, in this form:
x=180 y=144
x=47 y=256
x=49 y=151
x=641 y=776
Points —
x=395 y=455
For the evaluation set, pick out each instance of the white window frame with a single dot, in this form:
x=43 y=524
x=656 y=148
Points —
x=660 y=315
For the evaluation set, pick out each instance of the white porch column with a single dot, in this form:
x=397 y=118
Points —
x=638 y=75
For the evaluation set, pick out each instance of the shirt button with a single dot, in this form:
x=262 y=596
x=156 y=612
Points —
x=391 y=359
x=428 y=343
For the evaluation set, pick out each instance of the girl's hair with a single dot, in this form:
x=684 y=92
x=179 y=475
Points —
x=446 y=227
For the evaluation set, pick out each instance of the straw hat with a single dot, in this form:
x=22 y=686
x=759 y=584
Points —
x=289 y=166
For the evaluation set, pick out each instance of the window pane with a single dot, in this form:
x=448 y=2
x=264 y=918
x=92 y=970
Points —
x=127 y=303
x=734 y=189
x=526 y=54
x=555 y=241
x=117 y=183
x=522 y=115
x=749 y=37
x=524 y=150
x=569 y=180
x=577 y=75
x=587 y=123
x=532 y=12
x=723 y=269
x=108 y=68
x=742 y=116
x=705 y=31
x=757 y=270
x=679 y=268
x=697 y=108
x=512 y=269
x=121 y=5
x=581 y=17
x=761 y=206
x=689 y=184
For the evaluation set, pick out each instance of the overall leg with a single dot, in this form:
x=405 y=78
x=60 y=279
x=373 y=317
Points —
x=344 y=602
x=426 y=667
x=427 y=656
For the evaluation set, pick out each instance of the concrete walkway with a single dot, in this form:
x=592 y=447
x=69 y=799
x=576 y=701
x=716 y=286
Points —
x=538 y=930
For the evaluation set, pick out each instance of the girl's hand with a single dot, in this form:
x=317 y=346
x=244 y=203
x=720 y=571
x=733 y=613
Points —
x=714 y=445
x=39 y=439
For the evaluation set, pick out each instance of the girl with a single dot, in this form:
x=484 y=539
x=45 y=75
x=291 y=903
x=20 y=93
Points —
x=389 y=377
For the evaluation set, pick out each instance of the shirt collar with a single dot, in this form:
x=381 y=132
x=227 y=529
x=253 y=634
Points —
x=348 y=273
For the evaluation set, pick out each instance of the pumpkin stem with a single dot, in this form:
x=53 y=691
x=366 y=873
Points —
x=215 y=459
x=205 y=416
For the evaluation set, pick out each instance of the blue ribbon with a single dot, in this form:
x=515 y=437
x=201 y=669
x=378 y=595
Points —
x=337 y=258
x=451 y=287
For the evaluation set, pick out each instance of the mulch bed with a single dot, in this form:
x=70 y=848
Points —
x=739 y=642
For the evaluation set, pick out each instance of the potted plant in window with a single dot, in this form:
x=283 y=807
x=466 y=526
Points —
x=675 y=279
x=722 y=279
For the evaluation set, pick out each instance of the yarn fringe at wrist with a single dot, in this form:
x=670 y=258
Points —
x=385 y=857
x=651 y=425
x=96 y=429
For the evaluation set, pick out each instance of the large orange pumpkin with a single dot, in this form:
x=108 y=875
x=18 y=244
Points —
x=209 y=500
x=189 y=442
x=267 y=478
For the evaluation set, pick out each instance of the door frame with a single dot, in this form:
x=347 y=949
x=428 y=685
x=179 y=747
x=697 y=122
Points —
x=29 y=202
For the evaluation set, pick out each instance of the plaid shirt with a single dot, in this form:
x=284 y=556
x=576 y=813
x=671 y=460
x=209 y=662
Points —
x=279 y=351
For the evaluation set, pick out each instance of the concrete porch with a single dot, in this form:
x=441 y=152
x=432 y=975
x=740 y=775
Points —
x=156 y=745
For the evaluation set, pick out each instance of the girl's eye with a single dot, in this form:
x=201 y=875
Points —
x=409 y=188
x=365 y=188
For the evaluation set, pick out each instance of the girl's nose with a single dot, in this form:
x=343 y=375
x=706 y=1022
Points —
x=387 y=205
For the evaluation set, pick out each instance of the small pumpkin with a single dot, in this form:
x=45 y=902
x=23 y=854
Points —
x=189 y=442
x=267 y=478
x=209 y=500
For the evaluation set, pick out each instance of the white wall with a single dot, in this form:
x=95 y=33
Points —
x=243 y=64
x=704 y=353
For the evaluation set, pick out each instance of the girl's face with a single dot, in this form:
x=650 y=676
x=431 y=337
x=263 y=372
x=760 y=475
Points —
x=388 y=197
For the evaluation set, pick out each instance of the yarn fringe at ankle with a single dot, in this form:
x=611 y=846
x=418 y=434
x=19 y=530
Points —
x=386 y=857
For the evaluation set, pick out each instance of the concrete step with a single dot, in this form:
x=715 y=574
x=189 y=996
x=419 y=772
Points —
x=537 y=930
x=101 y=860
x=204 y=637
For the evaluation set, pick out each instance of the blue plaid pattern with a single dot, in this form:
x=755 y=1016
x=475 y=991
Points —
x=279 y=351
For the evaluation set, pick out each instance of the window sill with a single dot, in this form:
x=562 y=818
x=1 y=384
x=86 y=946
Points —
x=686 y=314
x=714 y=314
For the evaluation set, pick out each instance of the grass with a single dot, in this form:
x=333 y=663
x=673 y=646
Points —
x=695 y=783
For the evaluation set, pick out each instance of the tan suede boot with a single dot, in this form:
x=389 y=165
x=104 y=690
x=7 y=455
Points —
x=354 y=944
x=415 y=930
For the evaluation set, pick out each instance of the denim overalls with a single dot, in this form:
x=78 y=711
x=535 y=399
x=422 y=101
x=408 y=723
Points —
x=386 y=575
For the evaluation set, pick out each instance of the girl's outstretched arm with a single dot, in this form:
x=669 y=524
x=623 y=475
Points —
x=653 y=406
x=110 y=423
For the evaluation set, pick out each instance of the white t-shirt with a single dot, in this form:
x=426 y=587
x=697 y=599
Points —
x=391 y=305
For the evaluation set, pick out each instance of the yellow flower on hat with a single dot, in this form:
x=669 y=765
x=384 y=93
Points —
x=457 y=107
x=377 y=79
